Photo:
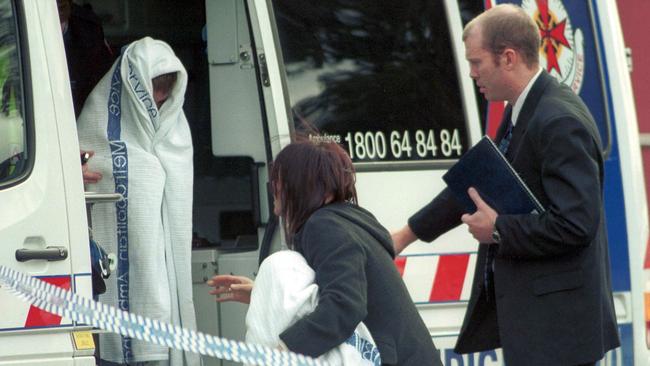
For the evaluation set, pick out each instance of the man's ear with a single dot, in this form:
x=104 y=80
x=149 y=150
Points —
x=510 y=58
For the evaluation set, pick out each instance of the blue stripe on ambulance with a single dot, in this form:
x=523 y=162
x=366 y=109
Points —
x=616 y=219
x=614 y=204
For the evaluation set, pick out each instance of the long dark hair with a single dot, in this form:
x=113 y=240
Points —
x=305 y=174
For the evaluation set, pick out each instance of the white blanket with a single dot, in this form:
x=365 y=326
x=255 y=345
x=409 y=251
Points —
x=284 y=292
x=146 y=155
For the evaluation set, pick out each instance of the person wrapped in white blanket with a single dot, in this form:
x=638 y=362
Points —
x=134 y=122
x=284 y=292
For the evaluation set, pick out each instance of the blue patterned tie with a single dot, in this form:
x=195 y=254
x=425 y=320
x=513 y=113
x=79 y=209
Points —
x=505 y=140
x=489 y=258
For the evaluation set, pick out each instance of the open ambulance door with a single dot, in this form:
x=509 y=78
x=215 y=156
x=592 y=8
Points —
x=233 y=221
x=43 y=226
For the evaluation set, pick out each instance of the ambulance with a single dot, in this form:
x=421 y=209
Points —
x=387 y=80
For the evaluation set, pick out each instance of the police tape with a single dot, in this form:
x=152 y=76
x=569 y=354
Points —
x=83 y=310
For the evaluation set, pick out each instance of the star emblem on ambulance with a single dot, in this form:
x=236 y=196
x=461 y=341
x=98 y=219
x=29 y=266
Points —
x=561 y=47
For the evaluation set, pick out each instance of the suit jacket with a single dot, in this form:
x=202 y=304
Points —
x=551 y=304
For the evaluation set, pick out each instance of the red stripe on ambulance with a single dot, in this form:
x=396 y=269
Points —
x=432 y=278
x=41 y=318
x=449 y=278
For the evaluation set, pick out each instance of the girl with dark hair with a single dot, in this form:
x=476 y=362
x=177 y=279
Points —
x=351 y=254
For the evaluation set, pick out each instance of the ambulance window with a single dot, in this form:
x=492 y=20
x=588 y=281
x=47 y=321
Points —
x=377 y=76
x=13 y=146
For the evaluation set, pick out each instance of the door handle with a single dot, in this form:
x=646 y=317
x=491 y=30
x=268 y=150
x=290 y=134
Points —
x=49 y=254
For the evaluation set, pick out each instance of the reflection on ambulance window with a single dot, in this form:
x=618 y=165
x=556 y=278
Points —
x=12 y=130
x=377 y=76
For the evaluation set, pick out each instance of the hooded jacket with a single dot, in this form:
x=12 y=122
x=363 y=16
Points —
x=352 y=255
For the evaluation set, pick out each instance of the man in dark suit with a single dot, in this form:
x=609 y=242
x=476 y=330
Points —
x=542 y=286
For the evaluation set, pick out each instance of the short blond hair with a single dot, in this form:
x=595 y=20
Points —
x=507 y=26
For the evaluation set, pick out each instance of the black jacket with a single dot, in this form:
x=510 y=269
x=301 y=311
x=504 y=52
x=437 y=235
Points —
x=352 y=255
x=552 y=281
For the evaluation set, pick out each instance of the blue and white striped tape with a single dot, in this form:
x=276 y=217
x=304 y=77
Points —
x=66 y=304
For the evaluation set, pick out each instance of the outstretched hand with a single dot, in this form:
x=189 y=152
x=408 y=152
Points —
x=231 y=288
x=481 y=223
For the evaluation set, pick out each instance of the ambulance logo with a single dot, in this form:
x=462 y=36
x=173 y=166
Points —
x=561 y=48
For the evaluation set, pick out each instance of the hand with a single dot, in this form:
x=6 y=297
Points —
x=231 y=288
x=481 y=223
x=402 y=238
x=89 y=176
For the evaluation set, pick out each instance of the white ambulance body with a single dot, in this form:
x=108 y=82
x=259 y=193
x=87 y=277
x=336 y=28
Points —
x=42 y=211
x=386 y=79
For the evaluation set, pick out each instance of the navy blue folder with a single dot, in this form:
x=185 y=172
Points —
x=487 y=170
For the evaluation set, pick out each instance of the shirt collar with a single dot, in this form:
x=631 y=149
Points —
x=516 y=108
